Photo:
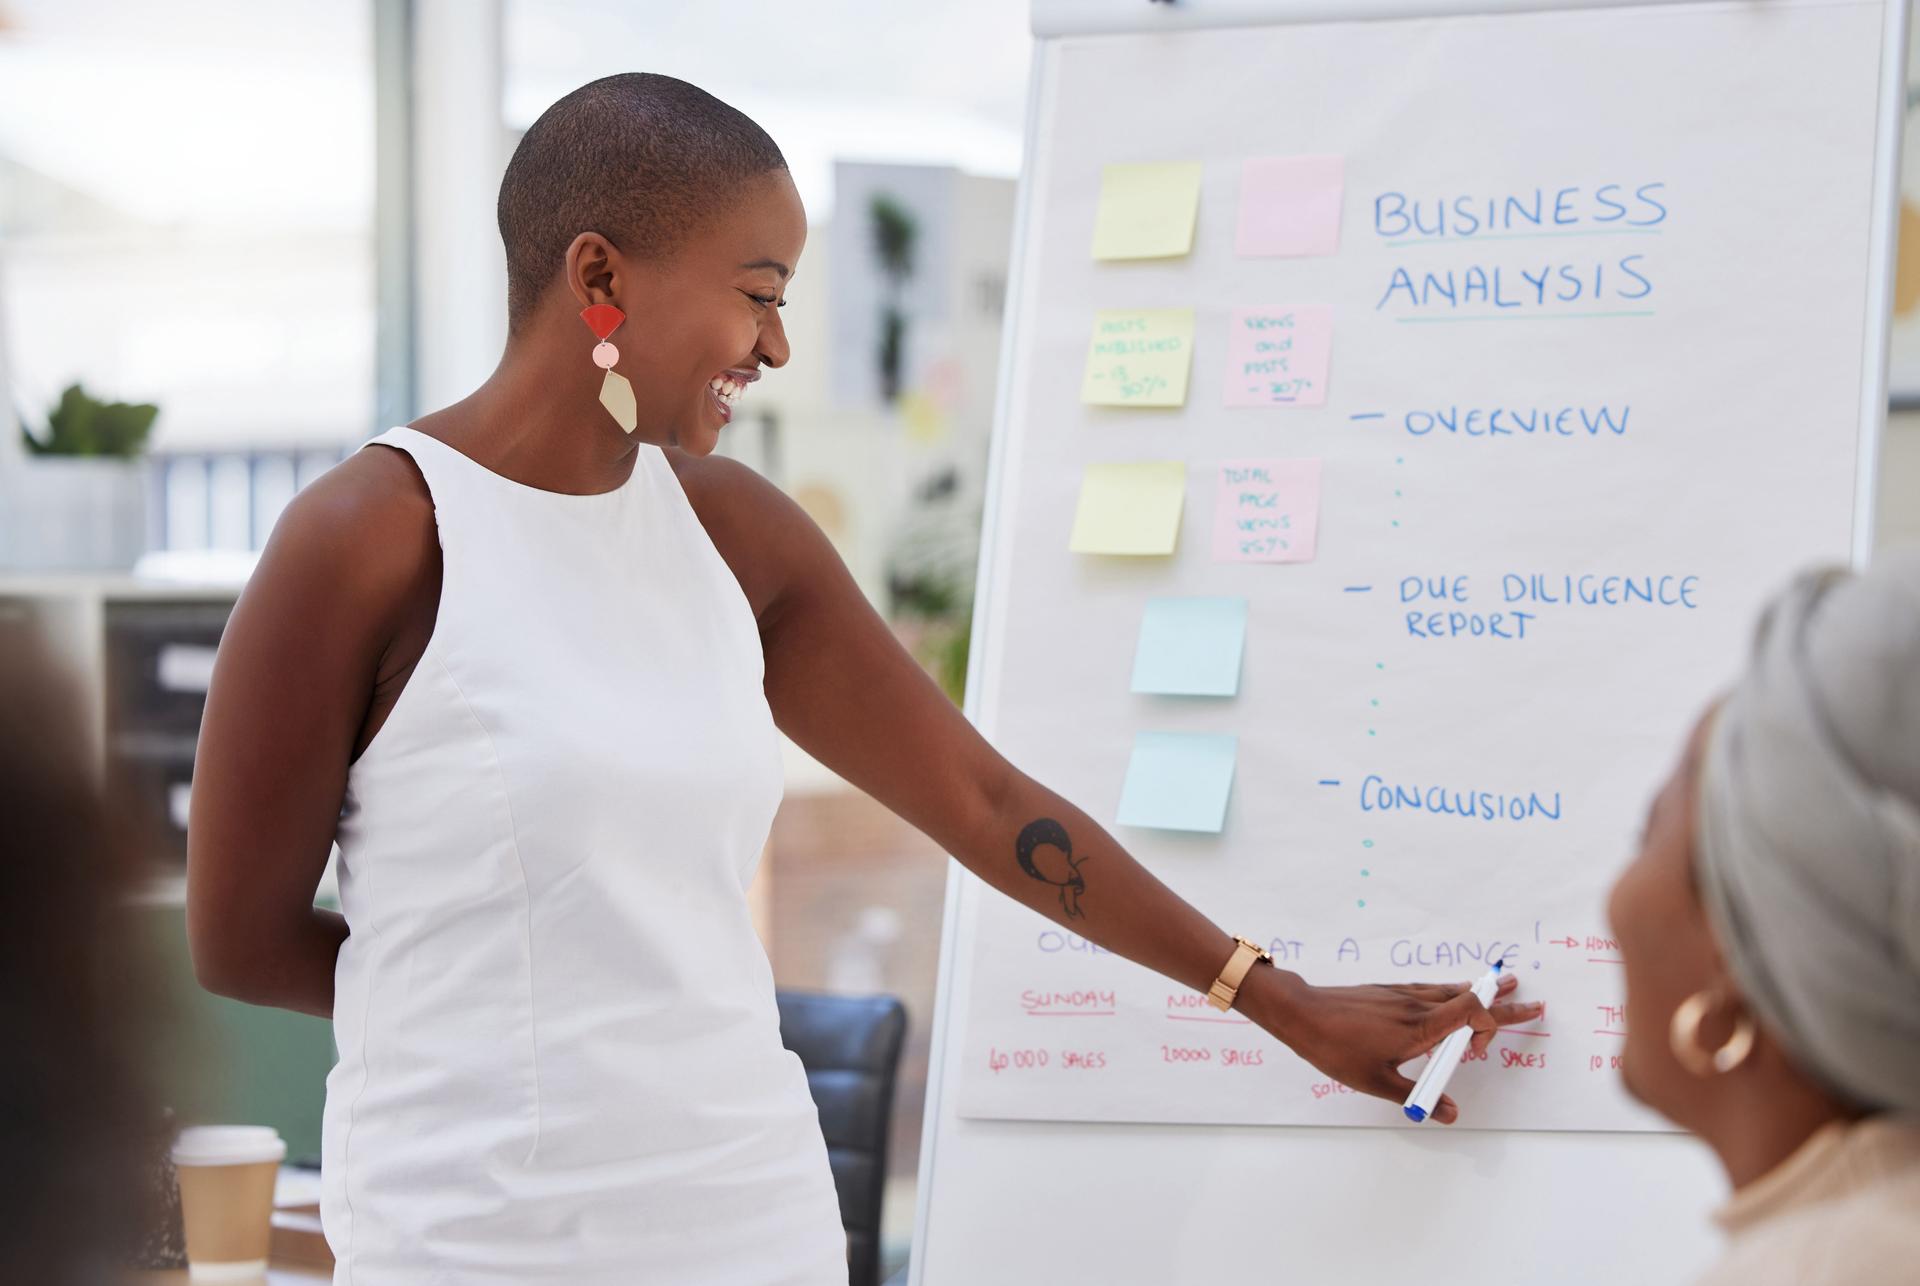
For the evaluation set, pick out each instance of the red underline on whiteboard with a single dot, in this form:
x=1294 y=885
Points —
x=1605 y=960
x=1202 y=1018
x=1069 y=1013
x=1598 y=1032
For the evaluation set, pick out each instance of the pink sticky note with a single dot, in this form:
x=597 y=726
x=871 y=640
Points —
x=1278 y=356
x=1268 y=511
x=1290 y=205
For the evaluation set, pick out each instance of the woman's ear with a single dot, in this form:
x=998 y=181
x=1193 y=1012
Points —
x=592 y=269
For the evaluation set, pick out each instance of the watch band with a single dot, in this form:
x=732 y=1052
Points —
x=1227 y=986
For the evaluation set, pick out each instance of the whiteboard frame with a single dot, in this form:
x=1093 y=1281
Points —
x=1109 y=17
x=1880 y=250
x=1053 y=19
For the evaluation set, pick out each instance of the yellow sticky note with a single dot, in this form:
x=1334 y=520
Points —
x=1139 y=357
x=1146 y=211
x=1130 y=508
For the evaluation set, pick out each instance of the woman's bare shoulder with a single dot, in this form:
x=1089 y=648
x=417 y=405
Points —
x=362 y=533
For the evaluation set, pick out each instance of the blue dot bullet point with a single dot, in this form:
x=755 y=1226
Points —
x=1366 y=843
x=1363 y=901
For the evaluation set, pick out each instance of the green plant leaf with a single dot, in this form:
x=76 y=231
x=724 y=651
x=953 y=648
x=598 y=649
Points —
x=82 y=425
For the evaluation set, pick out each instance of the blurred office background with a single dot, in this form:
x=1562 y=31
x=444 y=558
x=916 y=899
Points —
x=238 y=239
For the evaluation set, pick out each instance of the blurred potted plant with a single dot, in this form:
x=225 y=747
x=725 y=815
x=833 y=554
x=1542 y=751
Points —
x=895 y=231
x=930 y=571
x=78 y=496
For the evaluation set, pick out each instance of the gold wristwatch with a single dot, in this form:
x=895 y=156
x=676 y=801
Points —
x=1227 y=986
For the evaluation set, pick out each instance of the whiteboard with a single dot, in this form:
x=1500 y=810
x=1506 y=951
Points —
x=1742 y=384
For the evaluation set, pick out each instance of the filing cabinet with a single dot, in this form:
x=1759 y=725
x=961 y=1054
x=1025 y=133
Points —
x=142 y=654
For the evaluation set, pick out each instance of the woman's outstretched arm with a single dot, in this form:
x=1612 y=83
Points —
x=844 y=689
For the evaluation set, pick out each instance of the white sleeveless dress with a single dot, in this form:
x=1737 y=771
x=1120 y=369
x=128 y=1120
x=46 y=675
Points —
x=560 y=1058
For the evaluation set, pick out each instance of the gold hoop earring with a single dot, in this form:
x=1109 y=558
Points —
x=1683 y=1034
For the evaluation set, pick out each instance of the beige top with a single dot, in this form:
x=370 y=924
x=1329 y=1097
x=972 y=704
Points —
x=1845 y=1208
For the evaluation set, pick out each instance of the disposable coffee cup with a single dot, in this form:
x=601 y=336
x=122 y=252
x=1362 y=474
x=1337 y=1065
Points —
x=227 y=1174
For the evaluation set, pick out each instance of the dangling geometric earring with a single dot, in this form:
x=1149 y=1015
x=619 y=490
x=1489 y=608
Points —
x=616 y=394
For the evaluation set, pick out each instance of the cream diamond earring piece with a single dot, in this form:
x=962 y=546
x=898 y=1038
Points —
x=616 y=394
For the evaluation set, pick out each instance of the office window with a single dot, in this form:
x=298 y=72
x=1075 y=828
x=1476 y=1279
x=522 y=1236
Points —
x=186 y=220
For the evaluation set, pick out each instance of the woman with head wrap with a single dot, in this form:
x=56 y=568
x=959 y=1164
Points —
x=1771 y=933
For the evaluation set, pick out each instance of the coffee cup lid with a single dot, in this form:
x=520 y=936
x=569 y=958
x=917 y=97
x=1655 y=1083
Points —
x=228 y=1145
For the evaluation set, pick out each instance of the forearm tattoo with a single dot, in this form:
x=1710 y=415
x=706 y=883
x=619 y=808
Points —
x=1058 y=867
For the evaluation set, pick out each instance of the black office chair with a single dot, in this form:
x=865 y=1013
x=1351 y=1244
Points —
x=850 y=1046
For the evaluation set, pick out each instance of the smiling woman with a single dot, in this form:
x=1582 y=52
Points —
x=526 y=662
x=683 y=191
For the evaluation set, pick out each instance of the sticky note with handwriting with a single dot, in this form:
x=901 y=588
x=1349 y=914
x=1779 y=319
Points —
x=1278 y=356
x=1139 y=357
x=1290 y=205
x=1190 y=647
x=1267 y=511
x=1178 y=781
x=1146 y=211
x=1130 y=507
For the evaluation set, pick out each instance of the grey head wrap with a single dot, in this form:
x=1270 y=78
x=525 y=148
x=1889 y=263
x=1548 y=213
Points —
x=1808 y=849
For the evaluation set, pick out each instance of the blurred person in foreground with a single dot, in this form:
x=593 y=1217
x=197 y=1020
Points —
x=70 y=1122
x=1771 y=932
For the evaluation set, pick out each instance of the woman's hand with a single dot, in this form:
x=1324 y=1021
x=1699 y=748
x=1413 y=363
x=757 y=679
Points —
x=1361 y=1035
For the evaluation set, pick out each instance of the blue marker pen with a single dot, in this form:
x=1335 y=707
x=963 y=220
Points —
x=1439 y=1069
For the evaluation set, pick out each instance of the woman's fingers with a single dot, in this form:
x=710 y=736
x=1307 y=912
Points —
x=1438 y=992
x=1508 y=1014
x=1397 y=1087
x=1464 y=1010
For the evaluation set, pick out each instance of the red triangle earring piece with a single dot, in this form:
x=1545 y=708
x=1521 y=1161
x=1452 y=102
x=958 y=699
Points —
x=616 y=394
x=602 y=319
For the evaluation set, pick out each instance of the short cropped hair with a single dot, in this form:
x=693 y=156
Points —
x=642 y=159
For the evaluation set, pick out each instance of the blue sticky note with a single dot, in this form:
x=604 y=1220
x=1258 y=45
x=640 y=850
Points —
x=1178 y=781
x=1190 y=647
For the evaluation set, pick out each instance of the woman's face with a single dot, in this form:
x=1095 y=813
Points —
x=710 y=312
x=1667 y=946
